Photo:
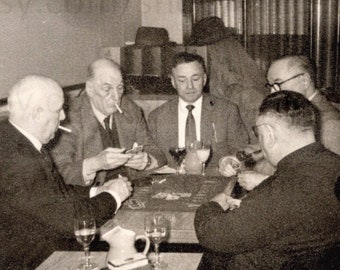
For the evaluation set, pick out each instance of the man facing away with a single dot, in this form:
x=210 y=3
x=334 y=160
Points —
x=37 y=207
x=216 y=120
x=292 y=218
x=104 y=123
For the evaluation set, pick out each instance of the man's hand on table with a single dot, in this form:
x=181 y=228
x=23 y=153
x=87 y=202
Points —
x=226 y=202
x=120 y=186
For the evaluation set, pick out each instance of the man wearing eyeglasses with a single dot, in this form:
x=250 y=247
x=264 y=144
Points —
x=297 y=73
x=292 y=219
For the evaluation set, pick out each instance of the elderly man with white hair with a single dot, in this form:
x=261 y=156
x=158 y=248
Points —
x=37 y=207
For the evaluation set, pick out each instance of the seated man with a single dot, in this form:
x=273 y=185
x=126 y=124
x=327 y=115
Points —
x=297 y=73
x=37 y=207
x=104 y=123
x=215 y=120
x=291 y=218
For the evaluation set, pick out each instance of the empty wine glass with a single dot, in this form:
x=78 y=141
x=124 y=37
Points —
x=156 y=228
x=203 y=153
x=178 y=155
x=85 y=230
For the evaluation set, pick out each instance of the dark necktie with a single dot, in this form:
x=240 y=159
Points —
x=113 y=134
x=190 y=128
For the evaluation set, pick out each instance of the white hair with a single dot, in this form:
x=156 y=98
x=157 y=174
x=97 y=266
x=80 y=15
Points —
x=29 y=92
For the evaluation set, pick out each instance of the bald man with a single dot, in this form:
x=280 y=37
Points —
x=95 y=150
x=36 y=207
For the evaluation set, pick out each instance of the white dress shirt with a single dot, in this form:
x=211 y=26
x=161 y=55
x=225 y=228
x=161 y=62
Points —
x=182 y=118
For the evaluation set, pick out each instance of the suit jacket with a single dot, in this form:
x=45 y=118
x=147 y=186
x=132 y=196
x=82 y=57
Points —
x=85 y=140
x=330 y=123
x=37 y=208
x=290 y=218
x=221 y=124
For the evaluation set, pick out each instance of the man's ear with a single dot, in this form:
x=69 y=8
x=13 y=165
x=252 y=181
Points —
x=269 y=136
x=89 y=89
x=306 y=80
x=36 y=112
x=205 y=79
x=173 y=81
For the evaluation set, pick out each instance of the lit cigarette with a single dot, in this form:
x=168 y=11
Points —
x=118 y=108
x=65 y=129
x=162 y=181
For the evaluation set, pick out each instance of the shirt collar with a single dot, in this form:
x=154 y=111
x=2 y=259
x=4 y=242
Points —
x=36 y=143
x=99 y=115
x=312 y=96
x=198 y=103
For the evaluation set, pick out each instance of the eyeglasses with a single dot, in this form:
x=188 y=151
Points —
x=256 y=129
x=277 y=86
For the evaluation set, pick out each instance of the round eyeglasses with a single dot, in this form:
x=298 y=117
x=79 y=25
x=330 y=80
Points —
x=277 y=86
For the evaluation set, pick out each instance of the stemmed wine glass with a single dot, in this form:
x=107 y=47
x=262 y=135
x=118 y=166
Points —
x=156 y=228
x=85 y=230
x=178 y=155
x=203 y=153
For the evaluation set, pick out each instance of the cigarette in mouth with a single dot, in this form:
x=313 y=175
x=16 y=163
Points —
x=118 y=108
x=65 y=129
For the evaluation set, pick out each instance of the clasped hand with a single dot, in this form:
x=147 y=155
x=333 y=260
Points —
x=247 y=179
x=120 y=186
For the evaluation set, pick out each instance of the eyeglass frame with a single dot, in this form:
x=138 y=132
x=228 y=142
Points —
x=278 y=84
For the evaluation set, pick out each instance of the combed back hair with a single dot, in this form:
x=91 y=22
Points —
x=185 y=57
x=102 y=61
x=302 y=62
x=29 y=92
x=293 y=108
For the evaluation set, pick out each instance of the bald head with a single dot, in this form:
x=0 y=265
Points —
x=293 y=73
x=29 y=92
x=35 y=104
x=101 y=64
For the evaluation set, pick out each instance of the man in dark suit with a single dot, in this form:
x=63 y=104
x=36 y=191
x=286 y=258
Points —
x=104 y=123
x=292 y=219
x=216 y=120
x=37 y=207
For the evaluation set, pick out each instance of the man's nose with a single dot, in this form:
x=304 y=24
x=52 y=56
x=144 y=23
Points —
x=190 y=84
x=115 y=95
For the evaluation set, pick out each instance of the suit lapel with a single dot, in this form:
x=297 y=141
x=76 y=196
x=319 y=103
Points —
x=208 y=106
x=171 y=123
x=89 y=124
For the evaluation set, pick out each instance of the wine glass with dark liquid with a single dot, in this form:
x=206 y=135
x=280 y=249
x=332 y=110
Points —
x=178 y=154
x=85 y=230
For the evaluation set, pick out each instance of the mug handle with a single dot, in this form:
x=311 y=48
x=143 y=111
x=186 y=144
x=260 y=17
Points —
x=147 y=242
